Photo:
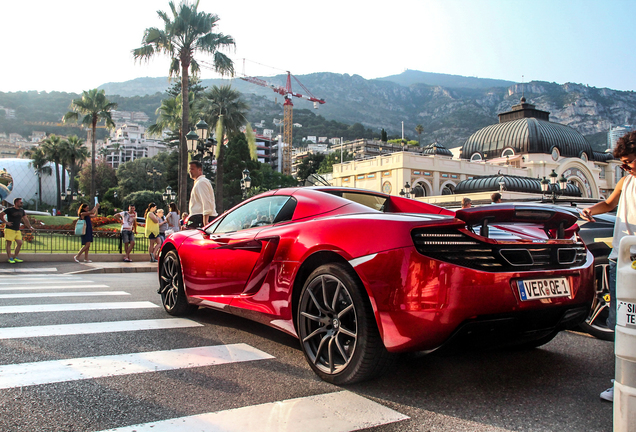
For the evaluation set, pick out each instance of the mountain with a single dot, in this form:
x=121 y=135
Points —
x=449 y=113
x=409 y=77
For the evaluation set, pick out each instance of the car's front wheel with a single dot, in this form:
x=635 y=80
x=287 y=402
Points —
x=337 y=328
x=595 y=323
x=173 y=295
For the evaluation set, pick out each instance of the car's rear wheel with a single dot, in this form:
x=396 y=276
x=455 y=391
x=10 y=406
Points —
x=173 y=295
x=337 y=327
x=595 y=323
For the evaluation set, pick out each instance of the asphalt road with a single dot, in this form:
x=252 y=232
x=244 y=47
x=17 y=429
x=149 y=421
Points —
x=87 y=377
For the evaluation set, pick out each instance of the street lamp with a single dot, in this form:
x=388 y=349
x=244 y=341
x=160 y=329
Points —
x=168 y=195
x=246 y=182
x=153 y=174
x=550 y=188
x=199 y=141
x=406 y=192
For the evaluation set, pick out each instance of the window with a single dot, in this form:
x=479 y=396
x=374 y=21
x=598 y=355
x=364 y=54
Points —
x=476 y=157
x=508 y=152
x=261 y=212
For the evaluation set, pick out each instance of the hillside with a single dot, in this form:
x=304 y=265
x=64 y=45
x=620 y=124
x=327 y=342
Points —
x=448 y=113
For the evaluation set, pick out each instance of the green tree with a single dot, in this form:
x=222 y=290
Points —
x=105 y=178
x=419 y=129
x=141 y=199
x=326 y=166
x=237 y=159
x=41 y=165
x=168 y=117
x=53 y=151
x=133 y=176
x=309 y=165
x=94 y=107
x=74 y=152
x=223 y=107
x=187 y=32
x=383 y=136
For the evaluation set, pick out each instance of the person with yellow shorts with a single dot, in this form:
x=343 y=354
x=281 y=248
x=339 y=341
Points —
x=15 y=216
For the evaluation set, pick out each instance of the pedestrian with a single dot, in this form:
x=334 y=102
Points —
x=202 y=204
x=152 y=230
x=623 y=197
x=467 y=203
x=84 y=214
x=496 y=198
x=128 y=230
x=15 y=216
x=163 y=226
x=173 y=218
x=184 y=220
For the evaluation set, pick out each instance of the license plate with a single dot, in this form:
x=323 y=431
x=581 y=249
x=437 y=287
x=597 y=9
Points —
x=534 y=289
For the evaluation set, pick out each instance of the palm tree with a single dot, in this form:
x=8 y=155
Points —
x=187 y=32
x=94 y=106
x=53 y=152
x=419 y=129
x=41 y=165
x=169 y=116
x=75 y=153
x=223 y=107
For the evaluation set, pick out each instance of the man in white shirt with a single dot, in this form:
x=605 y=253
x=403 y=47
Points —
x=202 y=206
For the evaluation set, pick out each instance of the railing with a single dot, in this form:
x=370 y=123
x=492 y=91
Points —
x=58 y=241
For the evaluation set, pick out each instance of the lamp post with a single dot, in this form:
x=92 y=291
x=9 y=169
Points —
x=246 y=182
x=68 y=197
x=168 y=196
x=406 y=192
x=199 y=141
x=153 y=174
x=551 y=190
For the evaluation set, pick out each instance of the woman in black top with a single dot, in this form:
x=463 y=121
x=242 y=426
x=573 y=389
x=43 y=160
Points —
x=84 y=214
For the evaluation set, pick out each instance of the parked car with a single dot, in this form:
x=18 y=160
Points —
x=597 y=237
x=358 y=275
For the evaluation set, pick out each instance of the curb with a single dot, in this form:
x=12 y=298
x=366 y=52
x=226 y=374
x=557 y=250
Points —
x=146 y=269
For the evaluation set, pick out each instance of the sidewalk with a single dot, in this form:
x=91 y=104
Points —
x=63 y=263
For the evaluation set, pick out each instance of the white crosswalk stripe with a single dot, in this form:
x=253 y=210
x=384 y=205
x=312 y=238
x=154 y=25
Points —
x=29 y=270
x=47 y=372
x=307 y=414
x=334 y=412
x=74 y=285
x=76 y=307
x=64 y=294
x=95 y=327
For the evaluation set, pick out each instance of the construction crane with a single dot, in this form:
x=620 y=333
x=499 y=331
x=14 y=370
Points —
x=288 y=107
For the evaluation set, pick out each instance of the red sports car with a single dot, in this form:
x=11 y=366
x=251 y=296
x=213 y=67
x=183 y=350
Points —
x=358 y=275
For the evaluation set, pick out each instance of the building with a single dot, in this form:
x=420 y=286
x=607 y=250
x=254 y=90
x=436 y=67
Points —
x=129 y=142
x=129 y=116
x=615 y=133
x=23 y=181
x=524 y=144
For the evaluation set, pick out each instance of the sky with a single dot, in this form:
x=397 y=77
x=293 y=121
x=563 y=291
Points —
x=76 y=45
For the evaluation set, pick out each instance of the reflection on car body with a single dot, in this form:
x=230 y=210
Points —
x=358 y=276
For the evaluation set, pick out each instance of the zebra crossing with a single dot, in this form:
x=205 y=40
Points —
x=310 y=413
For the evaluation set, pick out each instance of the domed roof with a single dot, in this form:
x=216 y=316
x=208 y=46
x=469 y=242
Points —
x=510 y=184
x=436 y=149
x=525 y=129
x=527 y=135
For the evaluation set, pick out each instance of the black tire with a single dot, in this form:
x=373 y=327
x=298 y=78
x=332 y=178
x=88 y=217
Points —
x=173 y=296
x=337 y=329
x=595 y=323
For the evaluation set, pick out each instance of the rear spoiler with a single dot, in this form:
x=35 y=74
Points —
x=552 y=219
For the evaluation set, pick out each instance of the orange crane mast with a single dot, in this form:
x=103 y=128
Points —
x=288 y=107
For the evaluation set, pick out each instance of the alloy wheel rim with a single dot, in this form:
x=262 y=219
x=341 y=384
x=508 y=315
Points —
x=328 y=324
x=600 y=307
x=170 y=280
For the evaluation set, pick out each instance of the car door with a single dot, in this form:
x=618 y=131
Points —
x=222 y=259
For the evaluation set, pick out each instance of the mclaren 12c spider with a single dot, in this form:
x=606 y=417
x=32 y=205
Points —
x=358 y=276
